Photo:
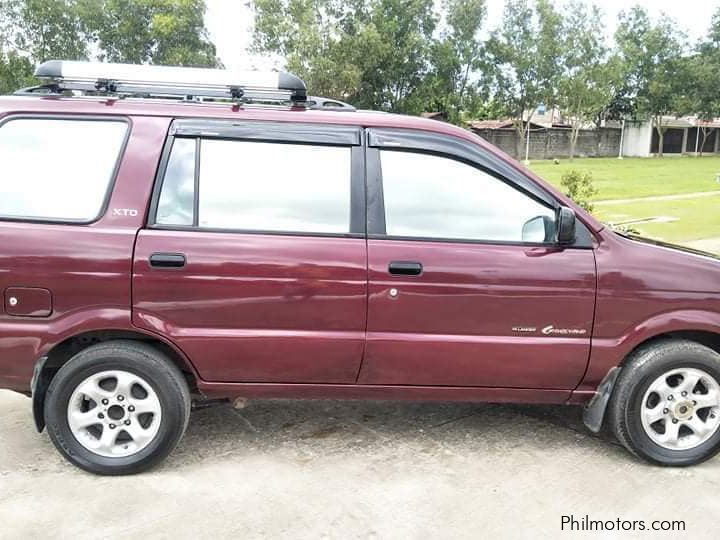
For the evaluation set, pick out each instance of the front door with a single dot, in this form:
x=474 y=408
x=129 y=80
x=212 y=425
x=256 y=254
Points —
x=254 y=262
x=463 y=290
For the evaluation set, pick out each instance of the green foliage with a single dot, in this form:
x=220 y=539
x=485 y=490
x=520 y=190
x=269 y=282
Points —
x=703 y=78
x=379 y=54
x=44 y=29
x=373 y=53
x=455 y=57
x=525 y=55
x=15 y=72
x=149 y=31
x=579 y=186
x=652 y=54
x=405 y=56
x=591 y=74
x=136 y=31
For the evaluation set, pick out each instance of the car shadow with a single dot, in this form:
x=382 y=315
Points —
x=338 y=427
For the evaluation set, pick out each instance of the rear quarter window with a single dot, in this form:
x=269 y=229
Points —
x=58 y=169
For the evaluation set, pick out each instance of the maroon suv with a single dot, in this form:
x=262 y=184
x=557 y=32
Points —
x=171 y=234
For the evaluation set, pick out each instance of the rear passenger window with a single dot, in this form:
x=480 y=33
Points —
x=55 y=169
x=259 y=186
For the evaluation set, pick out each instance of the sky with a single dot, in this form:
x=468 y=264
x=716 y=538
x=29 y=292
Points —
x=230 y=24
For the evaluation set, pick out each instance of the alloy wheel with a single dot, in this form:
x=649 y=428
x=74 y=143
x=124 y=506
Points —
x=681 y=408
x=114 y=413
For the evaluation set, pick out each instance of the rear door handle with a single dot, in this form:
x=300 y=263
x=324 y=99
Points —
x=405 y=268
x=167 y=260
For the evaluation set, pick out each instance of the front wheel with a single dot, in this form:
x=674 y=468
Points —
x=118 y=407
x=666 y=403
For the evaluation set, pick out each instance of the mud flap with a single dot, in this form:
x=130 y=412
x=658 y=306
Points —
x=595 y=410
x=39 y=386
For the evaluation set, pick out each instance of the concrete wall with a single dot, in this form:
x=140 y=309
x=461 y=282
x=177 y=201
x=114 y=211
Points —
x=555 y=142
x=636 y=141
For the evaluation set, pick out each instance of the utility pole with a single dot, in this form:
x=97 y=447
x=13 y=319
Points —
x=622 y=138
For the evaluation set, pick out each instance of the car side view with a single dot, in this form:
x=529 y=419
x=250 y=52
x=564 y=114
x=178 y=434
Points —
x=174 y=235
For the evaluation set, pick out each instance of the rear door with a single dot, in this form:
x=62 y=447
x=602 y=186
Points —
x=463 y=292
x=254 y=260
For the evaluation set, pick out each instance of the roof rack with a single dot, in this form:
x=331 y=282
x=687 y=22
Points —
x=196 y=84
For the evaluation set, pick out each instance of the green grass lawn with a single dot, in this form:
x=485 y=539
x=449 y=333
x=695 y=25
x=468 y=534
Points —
x=695 y=218
x=634 y=178
x=639 y=177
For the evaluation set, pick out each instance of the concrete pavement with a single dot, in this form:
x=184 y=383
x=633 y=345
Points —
x=330 y=469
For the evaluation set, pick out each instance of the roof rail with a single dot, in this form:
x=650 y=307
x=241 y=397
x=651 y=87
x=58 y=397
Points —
x=164 y=81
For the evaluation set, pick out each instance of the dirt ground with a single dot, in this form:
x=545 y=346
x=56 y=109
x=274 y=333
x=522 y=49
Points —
x=330 y=469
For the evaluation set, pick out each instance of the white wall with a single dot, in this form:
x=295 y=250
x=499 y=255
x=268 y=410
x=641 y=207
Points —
x=636 y=142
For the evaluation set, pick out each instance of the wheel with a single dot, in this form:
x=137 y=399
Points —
x=665 y=406
x=118 y=407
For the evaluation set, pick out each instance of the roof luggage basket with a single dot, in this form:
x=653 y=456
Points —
x=178 y=83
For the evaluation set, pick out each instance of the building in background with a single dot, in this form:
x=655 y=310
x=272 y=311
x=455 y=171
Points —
x=683 y=136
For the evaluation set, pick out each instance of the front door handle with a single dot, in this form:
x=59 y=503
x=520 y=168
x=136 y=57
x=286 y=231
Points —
x=167 y=260
x=405 y=268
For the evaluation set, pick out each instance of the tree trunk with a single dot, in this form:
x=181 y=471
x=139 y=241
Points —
x=519 y=141
x=573 y=140
x=524 y=147
x=661 y=137
x=704 y=138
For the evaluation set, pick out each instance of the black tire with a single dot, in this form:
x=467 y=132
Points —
x=134 y=357
x=624 y=410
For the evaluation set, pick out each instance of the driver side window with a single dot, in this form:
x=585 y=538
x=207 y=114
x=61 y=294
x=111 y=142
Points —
x=429 y=196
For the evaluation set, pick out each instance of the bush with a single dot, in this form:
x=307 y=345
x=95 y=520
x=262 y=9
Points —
x=579 y=187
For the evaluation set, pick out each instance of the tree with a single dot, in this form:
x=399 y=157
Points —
x=44 y=29
x=32 y=31
x=590 y=75
x=307 y=35
x=654 y=64
x=703 y=82
x=525 y=51
x=704 y=79
x=15 y=72
x=149 y=31
x=372 y=53
x=170 y=32
x=395 y=61
x=455 y=57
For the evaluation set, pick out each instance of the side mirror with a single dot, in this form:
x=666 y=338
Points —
x=565 y=225
x=538 y=230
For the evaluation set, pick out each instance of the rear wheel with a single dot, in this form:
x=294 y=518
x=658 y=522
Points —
x=117 y=408
x=666 y=404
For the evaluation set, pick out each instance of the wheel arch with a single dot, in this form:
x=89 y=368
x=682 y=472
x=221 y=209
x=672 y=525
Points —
x=703 y=337
x=48 y=365
x=594 y=413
